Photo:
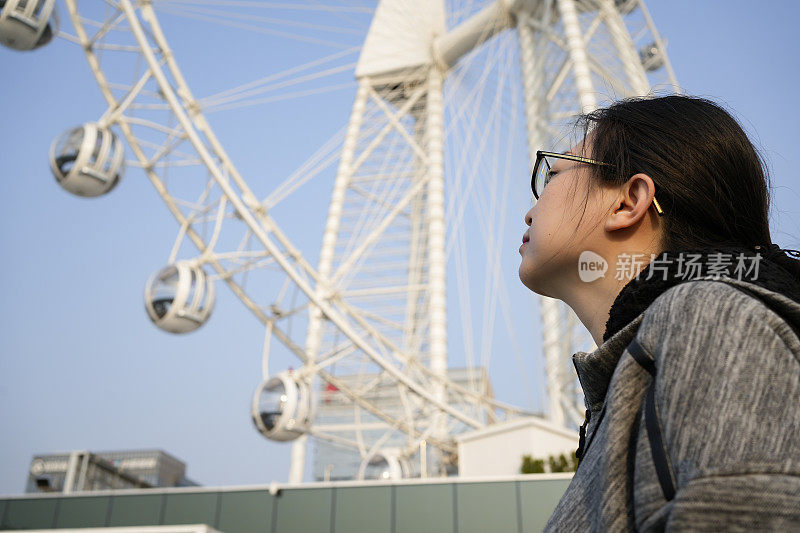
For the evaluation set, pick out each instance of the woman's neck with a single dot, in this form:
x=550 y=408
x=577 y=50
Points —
x=592 y=297
x=592 y=302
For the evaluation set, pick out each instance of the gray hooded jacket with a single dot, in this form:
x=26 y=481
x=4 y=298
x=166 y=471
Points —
x=727 y=389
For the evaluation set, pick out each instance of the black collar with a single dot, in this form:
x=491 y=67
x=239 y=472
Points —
x=669 y=270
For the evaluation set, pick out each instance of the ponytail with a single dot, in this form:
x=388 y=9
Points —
x=787 y=259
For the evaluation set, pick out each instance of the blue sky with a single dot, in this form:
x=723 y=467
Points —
x=81 y=367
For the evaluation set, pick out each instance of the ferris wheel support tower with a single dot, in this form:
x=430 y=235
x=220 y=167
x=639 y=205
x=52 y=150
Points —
x=404 y=43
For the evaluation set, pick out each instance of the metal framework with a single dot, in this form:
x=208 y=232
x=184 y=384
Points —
x=444 y=92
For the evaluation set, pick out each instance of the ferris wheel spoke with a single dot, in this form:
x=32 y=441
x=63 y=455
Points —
x=464 y=191
x=337 y=355
x=281 y=97
x=465 y=307
x=159 y=153
x=377 y=318
x=85 y=21
x=255 y=84
x=175 y=135
x=190 y=14
x=164 y=156
x=379 y=442
x=247 y=260
x=195 y=212
x=280 y=22
x=224 y=101
x=356 y=294
x=411 y=414
x=151 y=106
x=107 y=26
x=316 y=6
x=328 y=154
x=172 y=163
x=116 y=47
x=288 y=313
x=605 y=74
x=326 y=433
x=591 y=24
x=364 y=389
x=494 y=278
x=61 y=34
x=124 y=103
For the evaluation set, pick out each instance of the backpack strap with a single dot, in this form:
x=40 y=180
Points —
x=655 y=434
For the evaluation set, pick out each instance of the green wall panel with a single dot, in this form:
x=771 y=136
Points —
x=83 y=512
x=424 y=508
x=519 y=506
x=487 y=507
x=363 y=510
x=245 y=512
x=197 y=508
x=36 y=513
x=538 y=500
x=139 y=510
x=304 y=510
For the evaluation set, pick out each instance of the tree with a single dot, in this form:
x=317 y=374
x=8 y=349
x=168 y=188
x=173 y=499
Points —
x=554 y=463
x=531 y=465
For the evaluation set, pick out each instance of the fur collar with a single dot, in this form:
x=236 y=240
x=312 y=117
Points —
x=673 y=267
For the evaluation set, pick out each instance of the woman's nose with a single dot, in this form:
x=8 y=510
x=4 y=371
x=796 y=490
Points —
x=528 y=217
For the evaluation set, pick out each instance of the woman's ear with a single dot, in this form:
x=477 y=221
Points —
x=633 y=200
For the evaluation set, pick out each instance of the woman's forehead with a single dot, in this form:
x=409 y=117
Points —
x=582 y=148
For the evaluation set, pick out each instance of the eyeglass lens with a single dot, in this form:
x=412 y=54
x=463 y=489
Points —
x=541 y=177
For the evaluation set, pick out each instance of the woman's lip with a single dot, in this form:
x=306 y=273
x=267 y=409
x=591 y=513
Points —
x=521 y=245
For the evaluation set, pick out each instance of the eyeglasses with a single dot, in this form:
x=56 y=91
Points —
x=541 y=172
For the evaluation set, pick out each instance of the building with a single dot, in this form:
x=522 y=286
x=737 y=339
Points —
x=497 y=450
x=337 y=415
x=89 y=471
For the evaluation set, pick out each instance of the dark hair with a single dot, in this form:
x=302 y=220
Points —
x=710 y=180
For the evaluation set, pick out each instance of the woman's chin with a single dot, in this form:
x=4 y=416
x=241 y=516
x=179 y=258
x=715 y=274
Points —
x=533 y=280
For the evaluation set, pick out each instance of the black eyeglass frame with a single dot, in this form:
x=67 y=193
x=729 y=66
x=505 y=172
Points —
x=541 y=154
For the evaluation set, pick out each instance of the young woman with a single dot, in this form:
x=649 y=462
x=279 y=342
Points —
x=693 y=394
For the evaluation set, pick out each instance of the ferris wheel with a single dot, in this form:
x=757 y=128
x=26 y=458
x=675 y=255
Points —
x=450 y=101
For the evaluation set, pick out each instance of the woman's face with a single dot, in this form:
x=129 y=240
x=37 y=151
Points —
x=559 y=228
